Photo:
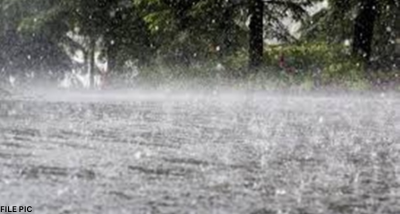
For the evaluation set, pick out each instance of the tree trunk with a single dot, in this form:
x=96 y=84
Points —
x=364 y=30
x=86 y=63
x=92 y=53
x=256 y=48
x=111 y=56
x=226 y=26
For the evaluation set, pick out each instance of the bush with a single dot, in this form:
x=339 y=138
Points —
x=332 y=62
x=308 y=65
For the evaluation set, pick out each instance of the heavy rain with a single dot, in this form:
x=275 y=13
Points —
x=225 y=106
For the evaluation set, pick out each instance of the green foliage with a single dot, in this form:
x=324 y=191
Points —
x=335 y=24
x=23 y=35
x=277 y=10
x=314 y=65
x=329 y=63
x=191 y=38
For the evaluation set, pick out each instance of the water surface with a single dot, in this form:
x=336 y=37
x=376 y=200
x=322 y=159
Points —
x=190 y=153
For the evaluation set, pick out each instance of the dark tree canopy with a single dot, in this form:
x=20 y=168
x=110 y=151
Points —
x=43 y=35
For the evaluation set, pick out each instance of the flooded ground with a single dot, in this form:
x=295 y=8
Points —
x=245 y=154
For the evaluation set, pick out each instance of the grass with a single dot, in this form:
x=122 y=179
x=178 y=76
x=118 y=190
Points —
x=209 y=77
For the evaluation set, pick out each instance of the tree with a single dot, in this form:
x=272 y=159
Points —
x=178 y=32
x=364 y=30
x=25 y=48
x=183 y=31
x=256 y=41
x=372 y=31
x=111 y=30
x=271 y=12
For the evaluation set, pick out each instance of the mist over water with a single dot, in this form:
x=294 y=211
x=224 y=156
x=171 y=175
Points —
x=218 y=152
x=192 y=107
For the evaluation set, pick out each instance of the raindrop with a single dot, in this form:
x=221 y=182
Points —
x=220 y=67
x=12 y=80
x=280 y=192
x=138 y=155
